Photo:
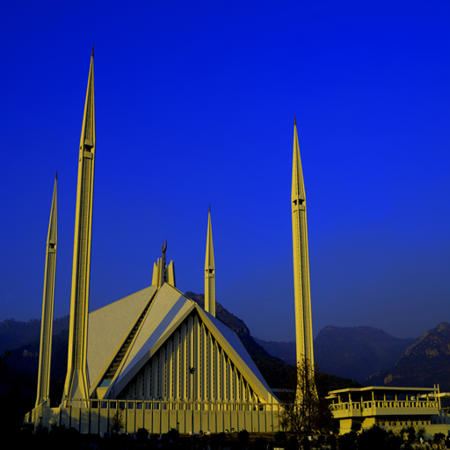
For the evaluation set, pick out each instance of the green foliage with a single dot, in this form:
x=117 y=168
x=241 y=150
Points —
x=372 y=439
x=243 y=437
x=260 y=444
x=411 y=432
x=356 y=426
x=348 y=441
x=214 y=442
x=438 y=437
x=174 y=436
x=217 y=441
x=165 y=441
x=142 y=435
x=331 y=441
x=12 y=413
x=3 y=360
x=280 y=439
x=377 y=438
x=394 y=440
x=293 y=442
x=118 y=422
x=304 y=411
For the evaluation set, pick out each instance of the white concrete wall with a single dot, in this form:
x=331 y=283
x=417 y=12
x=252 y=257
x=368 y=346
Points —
x=160 y=417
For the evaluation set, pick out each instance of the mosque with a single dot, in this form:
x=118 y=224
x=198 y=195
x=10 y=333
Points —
x=155 y=358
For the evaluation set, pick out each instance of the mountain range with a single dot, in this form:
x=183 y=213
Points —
x=349 y=356
x=372 y=357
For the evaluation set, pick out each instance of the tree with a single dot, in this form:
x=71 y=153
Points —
x=3 y=359
x=411 y=432
x=377 y=438
x=304 y=411
x=118 y=423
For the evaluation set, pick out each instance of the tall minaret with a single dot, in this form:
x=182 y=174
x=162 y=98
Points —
x=45 y=350
x=210 y=269
x=76 y=385
x=303 y=323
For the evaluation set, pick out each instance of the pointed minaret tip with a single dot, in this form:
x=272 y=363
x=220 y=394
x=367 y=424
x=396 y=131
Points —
x=56 y=175
x=209 y=208
x=210 y=283
x=92 y=52
x=295 y=121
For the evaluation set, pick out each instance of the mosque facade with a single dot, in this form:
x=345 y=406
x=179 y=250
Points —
x=156 y=357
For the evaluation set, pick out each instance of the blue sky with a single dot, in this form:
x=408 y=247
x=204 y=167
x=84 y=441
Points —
x=194 y=107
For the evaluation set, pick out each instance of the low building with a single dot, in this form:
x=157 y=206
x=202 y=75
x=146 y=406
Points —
x=391 y=408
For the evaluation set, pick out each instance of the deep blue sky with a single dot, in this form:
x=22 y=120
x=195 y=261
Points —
x=194 y=106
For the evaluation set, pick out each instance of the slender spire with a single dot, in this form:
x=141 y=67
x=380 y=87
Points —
x=298 y=186
x=76 y=385
x=210 y=272
x=45 y=350
x=303 y=322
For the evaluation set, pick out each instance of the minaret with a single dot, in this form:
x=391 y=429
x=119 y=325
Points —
x=303 y=322
x=45 y=349
x=76 y=385
x=210 y=269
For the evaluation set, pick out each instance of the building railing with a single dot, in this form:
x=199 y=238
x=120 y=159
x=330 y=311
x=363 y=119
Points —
x=171 y=405
x=390 y=404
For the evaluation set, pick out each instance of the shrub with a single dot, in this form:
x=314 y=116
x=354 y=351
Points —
x=260 y=444
x=331 y=441
x=293 y=443
x=280 y=439
x=348 y=441
x=174 y=436
x=243 y=437
x=142 y=435
x=411 y=432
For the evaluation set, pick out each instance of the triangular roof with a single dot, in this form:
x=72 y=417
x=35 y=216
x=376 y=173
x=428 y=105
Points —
x=168 y=309
x=108 y=327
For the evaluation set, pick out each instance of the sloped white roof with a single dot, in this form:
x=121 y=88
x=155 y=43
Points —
x=167 y=311
x=109 y=326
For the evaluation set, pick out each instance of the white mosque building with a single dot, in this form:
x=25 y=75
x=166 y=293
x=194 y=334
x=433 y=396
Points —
x=155 y=357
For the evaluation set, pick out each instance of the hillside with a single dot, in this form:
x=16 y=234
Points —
x=284 y=350
x=353 y=353
x=425 y=363
x=357 y=352
x=13 y=333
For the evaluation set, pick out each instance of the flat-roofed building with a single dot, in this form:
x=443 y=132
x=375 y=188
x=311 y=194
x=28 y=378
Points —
x=390 y=407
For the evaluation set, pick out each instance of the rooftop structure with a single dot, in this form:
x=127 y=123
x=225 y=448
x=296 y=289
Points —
x=389 y=407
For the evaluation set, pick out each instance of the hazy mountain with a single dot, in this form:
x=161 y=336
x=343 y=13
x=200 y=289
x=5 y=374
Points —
x=286 y=351
x=425 y=363
x=357 y=352
x=23 y=364
x=14 y=334
x=353 y=353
